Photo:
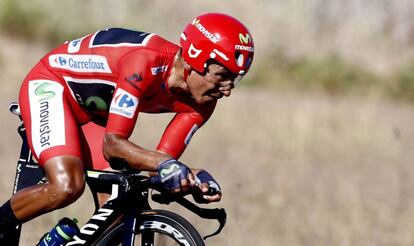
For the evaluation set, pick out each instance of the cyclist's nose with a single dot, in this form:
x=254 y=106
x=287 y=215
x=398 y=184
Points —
x=226 y=93
x=225 y=87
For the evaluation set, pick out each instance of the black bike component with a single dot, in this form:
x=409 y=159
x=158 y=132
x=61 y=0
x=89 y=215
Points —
x=14 y=109
x=116 y=205
x=216 y=213
x=119 y=164
x=205 y=213
x=157 y=222
x=129 y=198
x=129 y=221
x=141 y=183
x=28 y=173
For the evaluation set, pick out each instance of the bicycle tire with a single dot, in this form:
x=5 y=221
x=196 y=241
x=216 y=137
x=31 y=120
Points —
x=154 y=222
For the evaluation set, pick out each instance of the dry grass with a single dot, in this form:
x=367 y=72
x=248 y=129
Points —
x=308 y=170
x=296 y=168
x=377 y=34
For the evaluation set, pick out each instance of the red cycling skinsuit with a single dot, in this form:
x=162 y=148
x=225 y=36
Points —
x=99 y=83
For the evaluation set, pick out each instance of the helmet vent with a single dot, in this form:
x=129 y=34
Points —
x=239 y=59
x=183 y=36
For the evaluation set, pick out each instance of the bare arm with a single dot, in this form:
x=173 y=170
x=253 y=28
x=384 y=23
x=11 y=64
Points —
x=115 y=146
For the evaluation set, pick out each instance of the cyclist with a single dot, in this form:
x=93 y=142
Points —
x=80 y=104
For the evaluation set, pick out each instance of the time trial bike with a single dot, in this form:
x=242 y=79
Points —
x=126 y=218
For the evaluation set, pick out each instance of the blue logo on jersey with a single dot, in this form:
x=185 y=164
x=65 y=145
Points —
x=75 y=42
x=62 y=61
x=125 y=102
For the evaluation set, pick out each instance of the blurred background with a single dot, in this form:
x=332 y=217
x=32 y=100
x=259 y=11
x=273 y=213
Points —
x=313 y=148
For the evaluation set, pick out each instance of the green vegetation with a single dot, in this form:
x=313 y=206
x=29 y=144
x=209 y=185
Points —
x=403 y=83
x=32 y=22
x=19 y=22
x=329 y=74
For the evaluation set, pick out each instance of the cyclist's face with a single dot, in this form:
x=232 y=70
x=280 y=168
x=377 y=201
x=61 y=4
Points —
x=214 y=84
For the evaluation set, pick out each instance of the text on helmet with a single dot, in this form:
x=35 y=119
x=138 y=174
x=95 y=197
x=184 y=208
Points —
x=244 y=39
x=243 y=47
x=204 y=31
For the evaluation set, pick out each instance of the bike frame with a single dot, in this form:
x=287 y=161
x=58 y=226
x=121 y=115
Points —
x=128 y=197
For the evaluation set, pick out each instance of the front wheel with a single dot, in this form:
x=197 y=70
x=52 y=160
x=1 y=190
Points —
x=157 y=228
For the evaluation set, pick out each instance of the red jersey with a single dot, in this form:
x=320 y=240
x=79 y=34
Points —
x=111 y=75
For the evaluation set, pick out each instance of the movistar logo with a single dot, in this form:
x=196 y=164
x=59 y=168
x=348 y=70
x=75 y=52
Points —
x=195 y=21
x=168 y=171
x=42 y=92
x=244 y=39
x=96 y=103
x=204 y=31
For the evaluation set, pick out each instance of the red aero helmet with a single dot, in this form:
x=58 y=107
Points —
x=219 y=37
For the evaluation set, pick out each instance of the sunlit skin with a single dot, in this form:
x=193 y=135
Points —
x=215 y=83
x=205 y=88
x=67 y=184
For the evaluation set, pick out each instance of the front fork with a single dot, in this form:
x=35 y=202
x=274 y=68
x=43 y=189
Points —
x=130 y=221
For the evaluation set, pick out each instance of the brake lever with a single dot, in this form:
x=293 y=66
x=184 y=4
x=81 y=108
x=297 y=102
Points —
x=218 y=214
x=206 y=213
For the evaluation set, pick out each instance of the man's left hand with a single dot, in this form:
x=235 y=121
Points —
x=208 y=190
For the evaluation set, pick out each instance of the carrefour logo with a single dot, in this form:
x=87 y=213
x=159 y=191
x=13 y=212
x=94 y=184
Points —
x=80 y=63
x=62 y=61
x=124 y=103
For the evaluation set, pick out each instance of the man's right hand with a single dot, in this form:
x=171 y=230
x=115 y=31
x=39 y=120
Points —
x=174 y=176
